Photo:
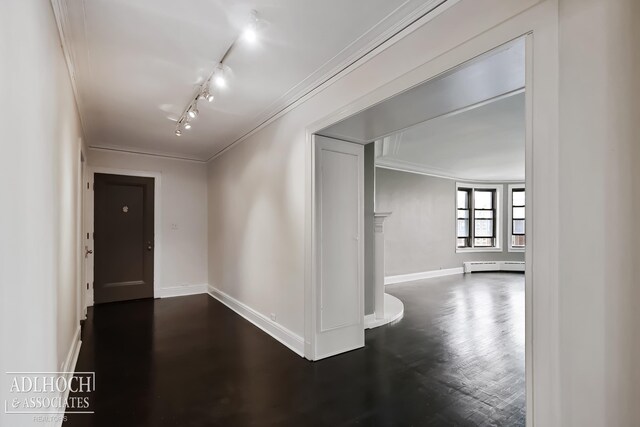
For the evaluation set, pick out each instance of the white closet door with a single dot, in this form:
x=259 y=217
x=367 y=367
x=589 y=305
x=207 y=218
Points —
x=339 y=222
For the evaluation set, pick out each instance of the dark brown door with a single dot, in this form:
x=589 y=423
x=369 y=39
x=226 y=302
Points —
x=123 y=247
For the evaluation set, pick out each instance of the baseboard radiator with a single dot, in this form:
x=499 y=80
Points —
x=471 y=266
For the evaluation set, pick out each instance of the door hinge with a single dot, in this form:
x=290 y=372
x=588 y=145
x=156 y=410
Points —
x=87 y=285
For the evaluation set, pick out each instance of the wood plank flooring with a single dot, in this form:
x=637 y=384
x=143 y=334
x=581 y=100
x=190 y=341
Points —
x=455 y=359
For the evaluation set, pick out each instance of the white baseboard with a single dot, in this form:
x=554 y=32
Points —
x=390 y=280
x=293 y=341
x=393 y=310
x=179 y=291
x=68 y=367
x=69 y=363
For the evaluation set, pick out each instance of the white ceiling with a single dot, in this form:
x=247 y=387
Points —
x=486 y=143
x=492 y=75
x=135 y=64
x=468 y=123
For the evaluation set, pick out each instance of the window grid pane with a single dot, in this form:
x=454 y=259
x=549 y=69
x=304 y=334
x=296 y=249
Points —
x=463 y=199
x=517 y=197
x=518 y=241
x=518 y=212
x=518 y=227
x=463 y=228
x=463 y=214
x=463 y=243
x=484 y=243
x=484 y=228
x=483 y=199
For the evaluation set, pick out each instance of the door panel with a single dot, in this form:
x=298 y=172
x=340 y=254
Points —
x=123 y=241
x=340 y=248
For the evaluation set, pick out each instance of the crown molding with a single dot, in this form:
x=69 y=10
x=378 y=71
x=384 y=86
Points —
x=135 y=151
x=61 y=14
x=343 y=65
x=409 y=167
x=77 y=57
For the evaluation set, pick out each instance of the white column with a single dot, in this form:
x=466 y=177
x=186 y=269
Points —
x=379 y=218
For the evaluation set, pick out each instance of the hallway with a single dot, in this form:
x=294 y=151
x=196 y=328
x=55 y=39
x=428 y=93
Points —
x=456 y=358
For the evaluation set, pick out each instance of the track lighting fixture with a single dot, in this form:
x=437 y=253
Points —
x=218 y=76
x=219 y=79
x=206 y=95
x=250 y=32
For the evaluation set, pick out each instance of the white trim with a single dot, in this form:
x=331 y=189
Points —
x=354 y=54
x=510 y=189
x=471 y=266
x=178 y=291
x=61 y=15
x=80 y=229
x=414 y=168
x=501 y=21
x=290 y=339
x=69 y=366
x=157 y=219
x=415 y=23
x=393 y=311
x=69 y=363
x=149 y=153
x=410 y=277
x=498 y=210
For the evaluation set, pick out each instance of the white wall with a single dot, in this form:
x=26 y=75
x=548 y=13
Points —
x=39 y=184
x=420 y=234
x=183 y=198
x=584 y=366
x=600 y=202
x=257 y=188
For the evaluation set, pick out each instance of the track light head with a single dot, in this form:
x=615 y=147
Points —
x=250 y=32
x=206 y=93
x=219 y=79
x=193 y=112
x=187 y=125
x=178 y=132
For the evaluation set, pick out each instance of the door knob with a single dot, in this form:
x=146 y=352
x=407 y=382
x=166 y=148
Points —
x=87 y=251
x=149 y=246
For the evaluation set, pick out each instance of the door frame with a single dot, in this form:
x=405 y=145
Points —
x=157 y=217
x=82 y=241
x=541 y=180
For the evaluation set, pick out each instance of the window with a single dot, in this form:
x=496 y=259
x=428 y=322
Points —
x=463 y=233
x=517 y=222
x=477 y=226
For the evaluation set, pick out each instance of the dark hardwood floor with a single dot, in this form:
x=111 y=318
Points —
x=455 y=359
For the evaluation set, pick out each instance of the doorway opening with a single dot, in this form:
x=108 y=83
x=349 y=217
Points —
x=439 y=171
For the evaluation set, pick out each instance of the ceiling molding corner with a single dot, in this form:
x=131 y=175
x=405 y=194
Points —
x=404 y=166
x=139 y=152
x=342 y=67
x=61 y=15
